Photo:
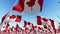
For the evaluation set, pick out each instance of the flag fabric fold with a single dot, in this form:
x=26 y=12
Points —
x=20 y=6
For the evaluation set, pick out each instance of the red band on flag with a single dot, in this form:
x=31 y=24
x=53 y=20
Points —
x=20 y=6
x=17 y=26
x=41 y=4
x=25 y=23
x=39 y=20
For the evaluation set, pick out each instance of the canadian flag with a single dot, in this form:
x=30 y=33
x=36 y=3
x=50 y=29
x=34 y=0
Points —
x=28 y=25
x=10 y=17
x=52 y=24
x=46 y=23
x=7 y=25
x=15 y=18
x=31 y=5
x=18 y=29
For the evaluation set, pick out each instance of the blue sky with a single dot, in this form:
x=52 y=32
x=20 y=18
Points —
x=51 y=8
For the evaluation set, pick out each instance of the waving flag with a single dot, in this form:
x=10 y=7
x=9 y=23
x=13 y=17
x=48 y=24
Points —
x=52 y=24
x=28 y=25
x=15 y=18
x=8 y=18
x=7 y=25
x=17 y=28
x=47 y=23
x=31 y=5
